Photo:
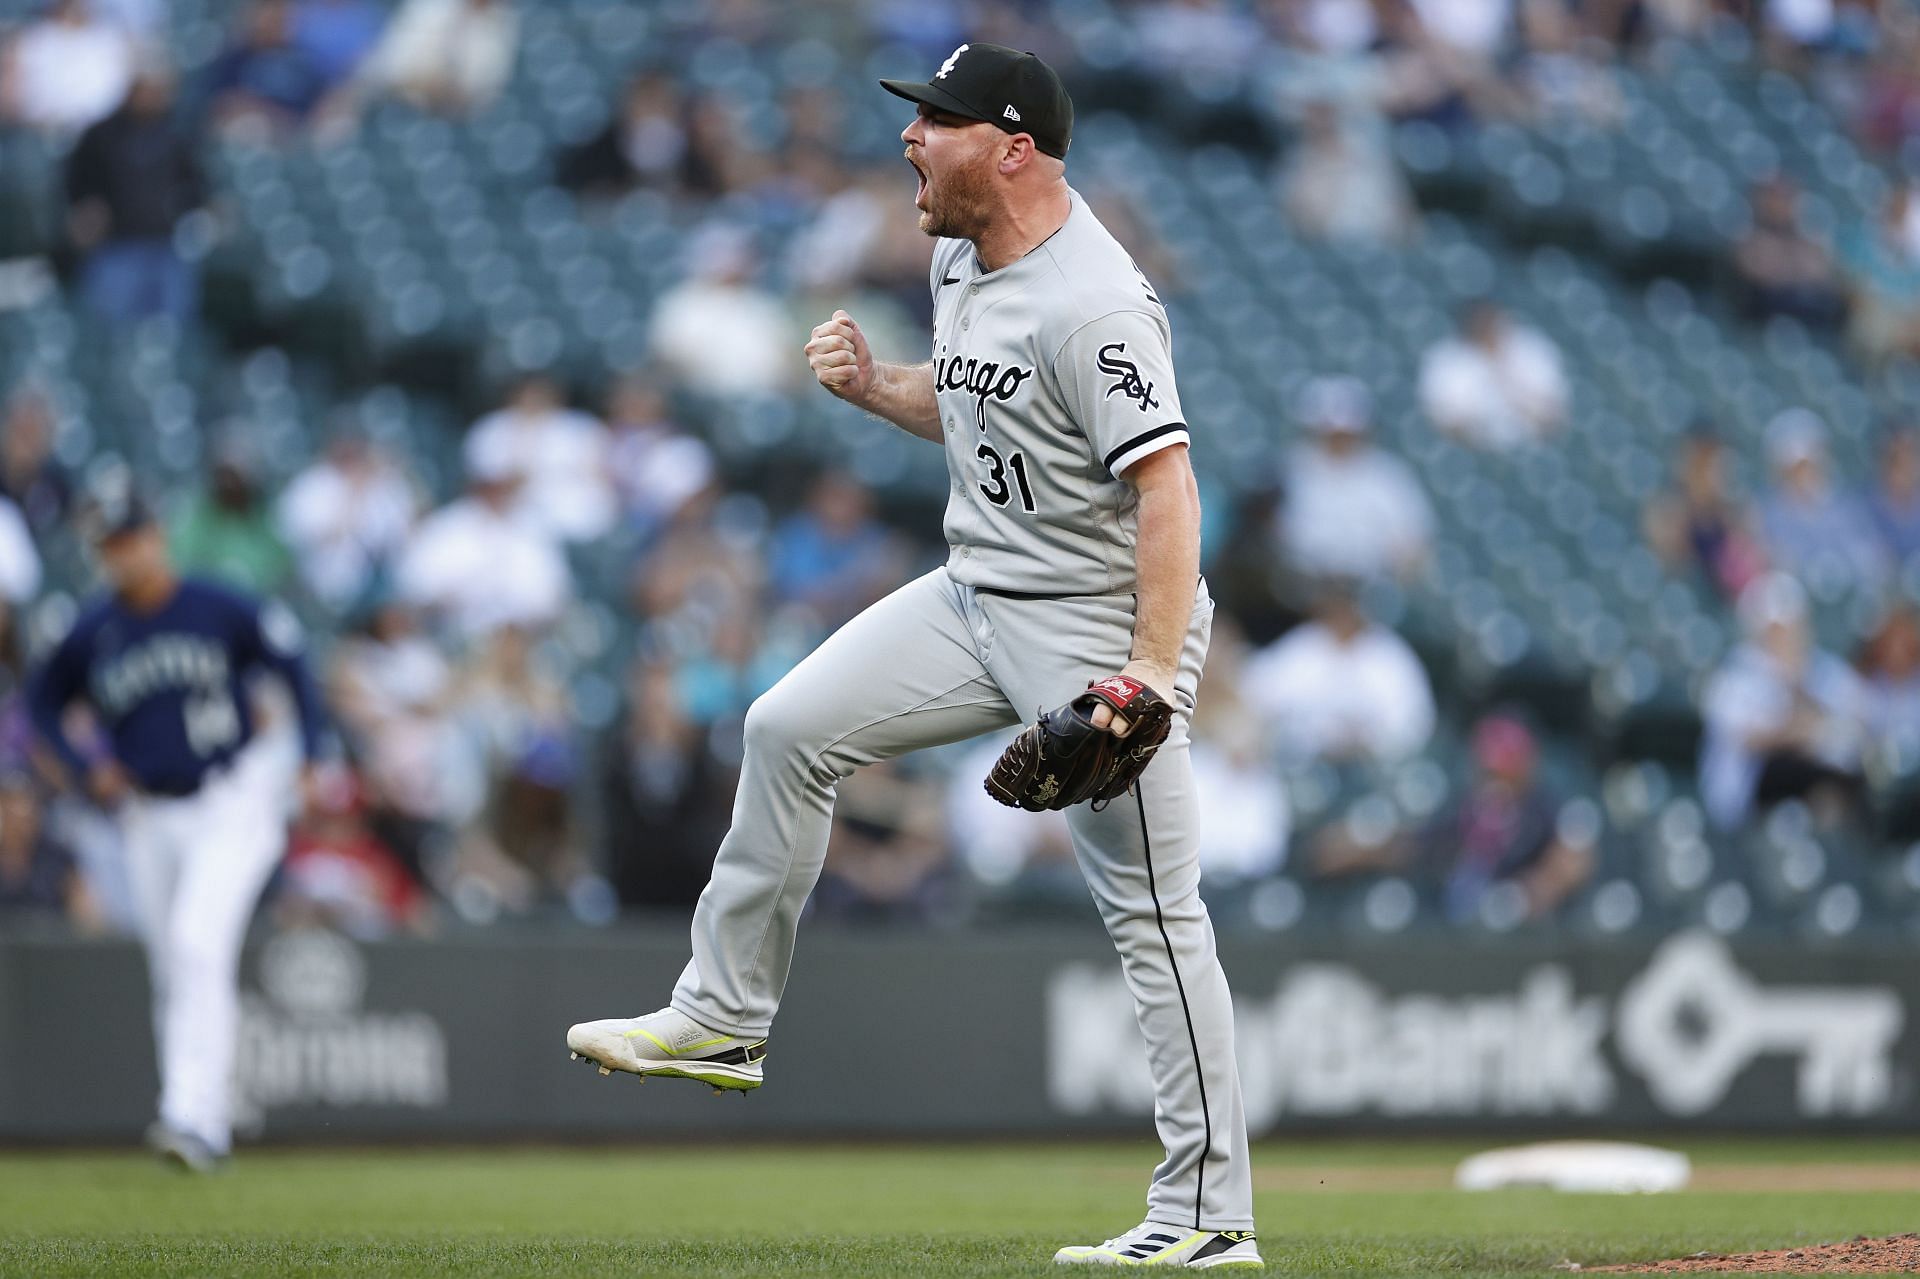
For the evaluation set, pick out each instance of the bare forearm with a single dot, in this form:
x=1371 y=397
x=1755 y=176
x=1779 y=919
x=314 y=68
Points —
x=1168 y=570
x=903 y=395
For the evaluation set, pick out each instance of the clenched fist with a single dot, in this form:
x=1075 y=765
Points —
x=839 y=358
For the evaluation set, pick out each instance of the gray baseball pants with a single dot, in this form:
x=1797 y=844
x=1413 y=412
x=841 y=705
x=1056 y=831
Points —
x=938 y=662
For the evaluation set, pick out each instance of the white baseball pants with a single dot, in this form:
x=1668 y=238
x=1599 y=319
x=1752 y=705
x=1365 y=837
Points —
x=197 y=865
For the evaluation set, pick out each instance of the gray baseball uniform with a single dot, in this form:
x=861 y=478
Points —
x=1053 y=375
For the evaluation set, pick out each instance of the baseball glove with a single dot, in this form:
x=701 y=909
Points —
x=1063 y=759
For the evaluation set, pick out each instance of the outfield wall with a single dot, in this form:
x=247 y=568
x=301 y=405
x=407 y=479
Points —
x=1002 y=1032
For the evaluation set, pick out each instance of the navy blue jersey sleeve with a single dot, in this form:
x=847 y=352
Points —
x=59 y=682
x=272 y=639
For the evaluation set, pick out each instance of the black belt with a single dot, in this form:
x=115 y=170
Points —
x=1043 y=595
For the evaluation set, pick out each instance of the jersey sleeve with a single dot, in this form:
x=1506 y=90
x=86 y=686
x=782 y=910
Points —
x=59 y=682
x=273 y=638
x=1116 y=379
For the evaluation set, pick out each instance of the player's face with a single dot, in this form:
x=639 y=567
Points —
x=953 y=157
x=134 y=559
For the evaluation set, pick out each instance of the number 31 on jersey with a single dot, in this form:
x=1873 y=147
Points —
x=996 y=489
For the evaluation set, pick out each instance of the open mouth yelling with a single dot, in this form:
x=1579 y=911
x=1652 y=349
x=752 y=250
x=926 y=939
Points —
x=920 y=190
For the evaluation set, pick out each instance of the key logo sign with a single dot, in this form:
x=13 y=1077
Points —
x=1332 y=1041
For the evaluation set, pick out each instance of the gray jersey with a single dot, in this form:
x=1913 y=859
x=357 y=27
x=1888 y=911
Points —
x=1053 y=375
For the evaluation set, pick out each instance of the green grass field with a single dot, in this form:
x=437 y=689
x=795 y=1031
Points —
x=965 y=1210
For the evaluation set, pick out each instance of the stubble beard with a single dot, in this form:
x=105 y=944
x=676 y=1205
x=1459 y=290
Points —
x=958 y=210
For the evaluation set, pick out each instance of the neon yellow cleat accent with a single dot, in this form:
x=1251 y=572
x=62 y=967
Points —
x=1154 y=1243
x=671 y=1045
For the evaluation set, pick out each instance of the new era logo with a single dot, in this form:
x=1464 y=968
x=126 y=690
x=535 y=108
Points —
x=1011 y=114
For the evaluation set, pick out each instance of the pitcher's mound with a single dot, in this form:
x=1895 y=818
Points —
x=1860 y=1256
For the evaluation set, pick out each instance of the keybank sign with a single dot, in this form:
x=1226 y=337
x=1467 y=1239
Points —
x=1331 y=1041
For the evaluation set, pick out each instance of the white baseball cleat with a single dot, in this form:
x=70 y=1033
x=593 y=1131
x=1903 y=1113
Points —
x=1155 y=1243
x=183 y=1150
x=671 y=1044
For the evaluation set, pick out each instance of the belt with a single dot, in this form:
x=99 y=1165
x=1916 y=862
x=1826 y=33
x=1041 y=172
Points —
x=1053 y=595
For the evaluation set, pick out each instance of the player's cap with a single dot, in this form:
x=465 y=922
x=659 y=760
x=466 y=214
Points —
x=1795 y=435
x=1336 y=404
x=1014 y=90
x=108 y=515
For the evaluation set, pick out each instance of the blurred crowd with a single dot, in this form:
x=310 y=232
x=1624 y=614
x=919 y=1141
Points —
x=473 y=788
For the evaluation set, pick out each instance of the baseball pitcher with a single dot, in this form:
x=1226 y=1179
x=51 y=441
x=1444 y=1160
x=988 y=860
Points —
x=163 y=662
x=1073 y=583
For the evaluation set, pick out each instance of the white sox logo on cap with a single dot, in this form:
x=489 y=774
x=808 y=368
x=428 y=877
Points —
x=952 y=58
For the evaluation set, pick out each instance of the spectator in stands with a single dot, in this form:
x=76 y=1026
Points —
x=1433 y=73
x=1246 y=822
x=30 y=477
x=1882 y=259
x=1566 y=74
x=389 y=686
x=657 y=468
x=18 y=740
x=1507 y=851
x=265 y=83
x=1784 y=719
x=708 y=562
x=1810 y=527
x=885 y=861
x=337 y=35
x=1781 y=269
x=1509 y=829
x=644 y=145
x=1499 y=384
x=474 y=567
x=1199 y=37
x=339 y=875
x=1889 y=104
x=447 y=56
x=65 y=71
x=559 y=453
x=1792 y=29
x=717 y=332
x=1023 y=861
x=833 y=555
x=143 y=20
x=38 y=875
x=345 y=518
x=1889 y=663
x=1341 y=688
x=1351 y=509
x=667 y=796
x=1895 y=504
x=720 y=161
x=227 y=531
x=1341 y=183
x=19 y=560
x=1473 y=29
x=131 y=180
x=513 y=731
x=1698 y=525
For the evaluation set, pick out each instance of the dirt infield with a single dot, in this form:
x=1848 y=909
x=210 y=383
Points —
x=1897 y=1255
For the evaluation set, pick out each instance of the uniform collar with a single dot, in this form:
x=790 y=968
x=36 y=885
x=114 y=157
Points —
x=1076 y=212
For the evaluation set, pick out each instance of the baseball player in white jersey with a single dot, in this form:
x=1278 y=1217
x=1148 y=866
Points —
x=1074 y=523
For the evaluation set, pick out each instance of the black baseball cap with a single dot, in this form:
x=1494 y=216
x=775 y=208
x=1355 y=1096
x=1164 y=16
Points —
x=109 y=515
x=1014 y=90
